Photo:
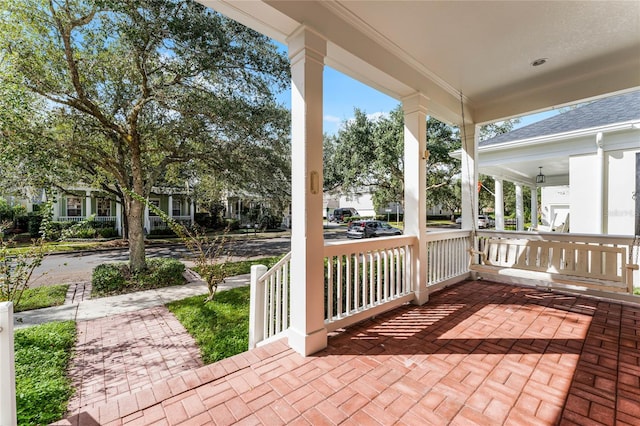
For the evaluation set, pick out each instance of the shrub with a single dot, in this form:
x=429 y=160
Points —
x=85 y=233
x=233 y=225
x=116 y=278
x=107 y=233
x=162 y=273
x=109 y=277
x=34 y=220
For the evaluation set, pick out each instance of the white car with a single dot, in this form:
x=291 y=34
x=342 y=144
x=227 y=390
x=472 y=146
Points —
x=485 y=221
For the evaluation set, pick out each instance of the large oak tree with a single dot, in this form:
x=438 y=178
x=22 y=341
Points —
x=130 y=89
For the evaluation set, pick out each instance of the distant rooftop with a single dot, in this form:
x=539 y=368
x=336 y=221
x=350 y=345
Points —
x=611 y=110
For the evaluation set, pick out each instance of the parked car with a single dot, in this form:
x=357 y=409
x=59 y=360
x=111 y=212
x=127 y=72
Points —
x=370 y=229
x=485 y=221
x=341 y=213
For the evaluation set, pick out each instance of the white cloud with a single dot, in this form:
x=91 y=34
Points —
x=375 y=116
x=331 y=119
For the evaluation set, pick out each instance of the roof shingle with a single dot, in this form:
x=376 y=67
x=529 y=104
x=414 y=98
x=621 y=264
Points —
x=611 y=110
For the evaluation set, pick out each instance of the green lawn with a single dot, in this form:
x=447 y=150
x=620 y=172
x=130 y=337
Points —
x=221 y=327
x=42 y=354
x=42 y=297
x=243 y=266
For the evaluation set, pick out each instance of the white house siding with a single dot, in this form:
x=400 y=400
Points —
x=585 y=211
x=554 y=202
x=363 y=203
x=620 y=211
x=618 y=206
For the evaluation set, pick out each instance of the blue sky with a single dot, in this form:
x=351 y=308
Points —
x=342 y=94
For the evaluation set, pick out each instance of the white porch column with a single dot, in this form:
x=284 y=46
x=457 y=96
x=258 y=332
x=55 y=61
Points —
x=534 y=207
x=192 y=211
x=307 y=333
x=519 y=208
x=55 y=206
x=499 y=204
x=119 y=216
x=469 y=176
x=170 y=212
x=87 y=202
x=415 y=187
x=7 y=366
x=598 y=200
x=145 y=218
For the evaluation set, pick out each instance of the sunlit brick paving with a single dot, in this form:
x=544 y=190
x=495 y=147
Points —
x=476 y=353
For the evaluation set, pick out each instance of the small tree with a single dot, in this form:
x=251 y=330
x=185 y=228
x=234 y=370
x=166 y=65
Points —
x=208 y=252
x=17 y=267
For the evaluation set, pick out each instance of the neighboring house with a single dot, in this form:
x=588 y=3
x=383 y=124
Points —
x=586 y=162
x=79 y=202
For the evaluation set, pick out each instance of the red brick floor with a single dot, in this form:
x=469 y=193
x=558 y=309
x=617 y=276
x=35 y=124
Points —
x=476 y=353
x=123 y=354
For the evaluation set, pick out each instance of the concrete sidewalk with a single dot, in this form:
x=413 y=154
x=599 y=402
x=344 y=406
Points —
x=114 y=305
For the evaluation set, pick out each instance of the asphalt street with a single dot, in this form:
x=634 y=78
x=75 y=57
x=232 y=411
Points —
x=63 y=268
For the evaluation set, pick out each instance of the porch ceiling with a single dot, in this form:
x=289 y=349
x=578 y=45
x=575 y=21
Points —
x=482 y=49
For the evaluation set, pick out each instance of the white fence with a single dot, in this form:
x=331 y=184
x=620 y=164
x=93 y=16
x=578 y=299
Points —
x=70 y=219
x=156 y=222
x=7 y=367
x=631 y=247
x=82 y=218
x=269 y=304
x=362 y=278
x=447 y=257
x=365 y=278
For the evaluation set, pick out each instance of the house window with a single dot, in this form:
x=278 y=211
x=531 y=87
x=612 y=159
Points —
x=176 y=209
x=74 y=206
x=103 y=206
x=154 y=202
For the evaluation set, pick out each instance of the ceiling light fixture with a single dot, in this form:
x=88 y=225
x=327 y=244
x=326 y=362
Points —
x=540 y=177
x=538 y=62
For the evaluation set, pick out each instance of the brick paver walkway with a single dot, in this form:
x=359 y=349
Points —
x=121 y=354
x=477 y=353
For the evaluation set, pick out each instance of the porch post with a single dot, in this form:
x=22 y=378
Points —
x=170 y=212
x=499 y=204
x=307 y=333
x=469 y=176
x=415 y=187
x=192 y=211
x=119 y=216
x=146 y=222
x=534 y=207
x=87 y=202
x=599 y=199
x=55 y=206
x=519 y=208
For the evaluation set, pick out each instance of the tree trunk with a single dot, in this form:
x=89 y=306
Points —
x=137 y=261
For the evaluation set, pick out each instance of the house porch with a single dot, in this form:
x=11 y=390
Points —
x=476 y=353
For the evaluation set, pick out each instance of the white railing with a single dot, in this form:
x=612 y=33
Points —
x=70 y=219
x=364 y=278
x=627 y=242
x=447 y=257
x=269 y=303
x=7 y=366
x=82 y=218
x=105 y=219
x=156 y=222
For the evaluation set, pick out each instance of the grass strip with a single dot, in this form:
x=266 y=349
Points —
x=42 y=355
x=221 y=327
x=243 y=266
x=42 y=297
